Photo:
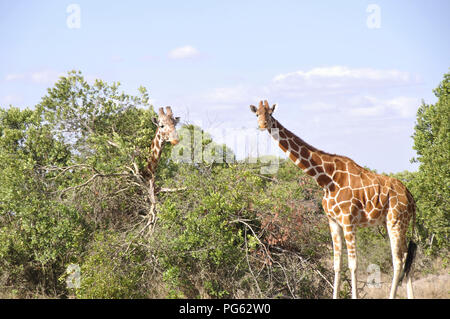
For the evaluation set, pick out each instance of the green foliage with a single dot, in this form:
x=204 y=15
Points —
x=374 y=247
x=113 y=268
x=214 y=233
x=431 y=186
x=38 y=235
x=294 y=213
x=102 y=127
x=200 y=239
x=62 y=175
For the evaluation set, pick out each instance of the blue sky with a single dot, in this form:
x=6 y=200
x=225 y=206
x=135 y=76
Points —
x=341 y=84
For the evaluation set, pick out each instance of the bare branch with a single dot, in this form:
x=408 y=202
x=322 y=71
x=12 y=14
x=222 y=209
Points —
x=93 y=177
x=170 y=190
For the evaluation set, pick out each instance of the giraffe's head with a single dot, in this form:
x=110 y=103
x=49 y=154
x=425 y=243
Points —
x=264 y=114
x=166 y=125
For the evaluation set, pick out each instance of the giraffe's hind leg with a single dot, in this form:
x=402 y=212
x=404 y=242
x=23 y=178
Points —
x=350 y=240
x=398 y=247
x=409 y=287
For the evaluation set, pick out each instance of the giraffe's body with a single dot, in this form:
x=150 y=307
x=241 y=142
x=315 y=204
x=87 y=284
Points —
x=353 y=197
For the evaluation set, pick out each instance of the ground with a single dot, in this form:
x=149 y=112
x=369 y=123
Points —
x=432 y=286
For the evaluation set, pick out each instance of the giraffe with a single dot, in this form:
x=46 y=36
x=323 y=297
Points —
x=353 y=197
x=165 y=131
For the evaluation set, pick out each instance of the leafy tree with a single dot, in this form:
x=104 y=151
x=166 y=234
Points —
x=113 y=267
x=72 y=165
x=38 y=234
x=431 y=186
x=108 y=134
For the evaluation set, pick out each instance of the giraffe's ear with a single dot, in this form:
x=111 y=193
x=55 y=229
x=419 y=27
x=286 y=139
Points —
x=273 y=108
x=177 y=120
x=155 y=121
x=253 y=108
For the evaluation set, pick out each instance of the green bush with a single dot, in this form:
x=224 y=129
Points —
x=114 y=267
x=200 y=239
x=211 y=236
x=431 y=185
x=38 y=234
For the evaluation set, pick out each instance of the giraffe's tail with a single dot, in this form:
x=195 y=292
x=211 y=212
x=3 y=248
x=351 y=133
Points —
x=414 y=209
x=412 y=248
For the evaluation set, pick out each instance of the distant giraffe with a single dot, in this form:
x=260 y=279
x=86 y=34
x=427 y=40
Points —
x=353 y=196
x=165 y=131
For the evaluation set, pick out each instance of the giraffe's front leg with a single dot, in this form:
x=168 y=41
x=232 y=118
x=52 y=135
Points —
x=350 y=239
x=336 y=234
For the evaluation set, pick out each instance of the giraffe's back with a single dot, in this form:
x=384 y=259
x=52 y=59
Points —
x=366 y=198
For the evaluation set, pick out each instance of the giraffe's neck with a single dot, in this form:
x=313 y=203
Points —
x=155 y=153
x=312 y=161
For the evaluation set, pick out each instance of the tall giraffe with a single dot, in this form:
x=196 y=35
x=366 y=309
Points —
x=165 y=132
x=353 y=196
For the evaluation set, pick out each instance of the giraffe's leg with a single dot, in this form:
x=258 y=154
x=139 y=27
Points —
x=409 y=288
x=336 y=234
x=398 y=248
x=350 y=239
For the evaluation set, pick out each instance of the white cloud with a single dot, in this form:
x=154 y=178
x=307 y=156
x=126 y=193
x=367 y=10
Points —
x=338 y=79
x=343 y=72
x=14 y=76
x=184 y=52
x=345 y=98
x=12 y=99
x=401 y=106
x=404 y=106
x=227 y=95
x=45 y=76
x=39 y=77
x=366 y=111
x=318 y=106
x=343 y=91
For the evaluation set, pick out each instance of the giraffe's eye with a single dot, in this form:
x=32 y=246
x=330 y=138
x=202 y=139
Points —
x=161 y=126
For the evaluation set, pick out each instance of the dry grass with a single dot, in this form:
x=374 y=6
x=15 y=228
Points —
x=431 y=278
x=433 y=286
